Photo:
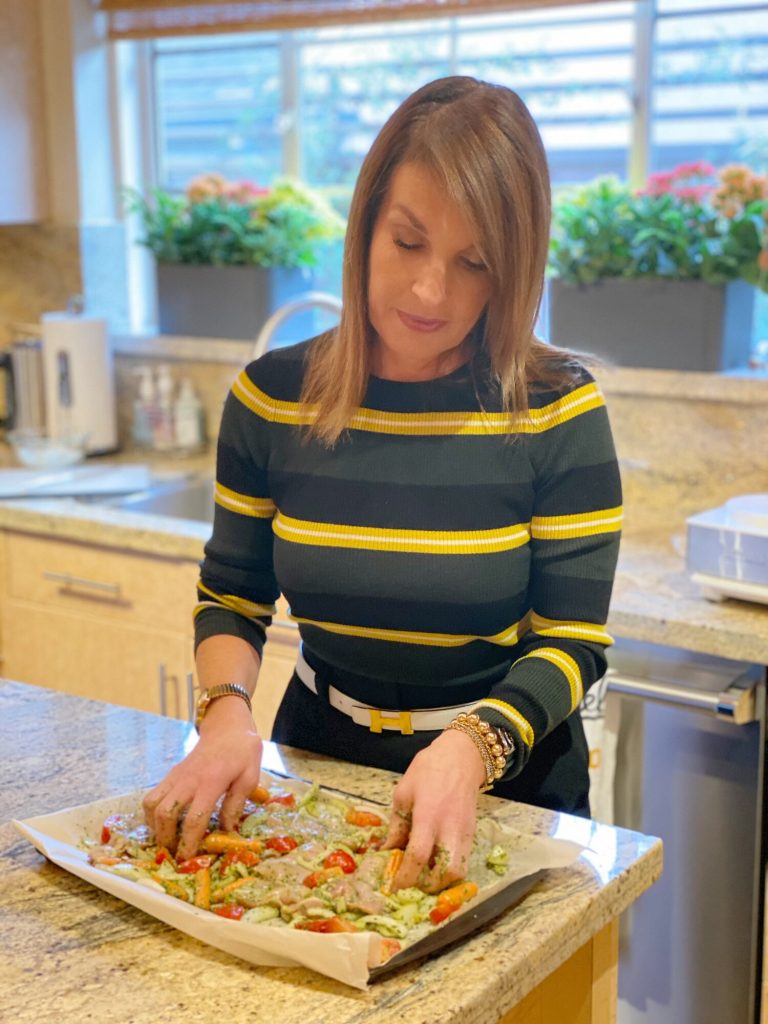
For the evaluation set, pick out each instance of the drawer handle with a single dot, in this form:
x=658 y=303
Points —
x=69 y=582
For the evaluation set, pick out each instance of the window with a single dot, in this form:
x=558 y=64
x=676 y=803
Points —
x=310 y=102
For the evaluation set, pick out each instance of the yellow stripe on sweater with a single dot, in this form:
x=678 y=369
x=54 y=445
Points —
x=237 y=604
x=373 y=538
x=536 y=421
x=583 y=524
x=243 y=504
x=567 y=665
x=563 y=630
x=506 y=638
x=521 y=723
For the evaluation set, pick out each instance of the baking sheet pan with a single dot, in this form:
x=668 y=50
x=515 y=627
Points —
x=350 y=958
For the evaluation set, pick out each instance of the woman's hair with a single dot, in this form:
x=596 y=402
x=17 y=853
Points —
x=480 y=141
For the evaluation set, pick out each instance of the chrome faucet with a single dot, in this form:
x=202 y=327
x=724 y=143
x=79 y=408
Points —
x=310 y=300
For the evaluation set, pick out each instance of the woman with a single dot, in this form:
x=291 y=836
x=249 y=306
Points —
x=435 y=492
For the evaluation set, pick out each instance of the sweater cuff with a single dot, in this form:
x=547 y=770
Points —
x=218 y=621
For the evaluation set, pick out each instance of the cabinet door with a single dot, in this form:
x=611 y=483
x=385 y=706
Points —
x=90 y=657
x=22 y=195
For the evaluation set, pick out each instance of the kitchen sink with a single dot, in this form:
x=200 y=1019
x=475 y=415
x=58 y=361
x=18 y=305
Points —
x=180 y=498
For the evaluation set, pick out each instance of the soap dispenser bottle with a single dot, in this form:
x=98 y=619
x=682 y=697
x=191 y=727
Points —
x=144 y=409
x=164 y=432
x=188 y=418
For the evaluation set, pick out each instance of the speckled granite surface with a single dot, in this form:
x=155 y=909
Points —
x=74 y=954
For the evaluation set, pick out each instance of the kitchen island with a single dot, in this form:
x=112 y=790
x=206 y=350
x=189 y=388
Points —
x=73 y=953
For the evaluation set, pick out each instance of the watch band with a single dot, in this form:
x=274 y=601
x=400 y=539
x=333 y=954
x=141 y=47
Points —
x=213 y=693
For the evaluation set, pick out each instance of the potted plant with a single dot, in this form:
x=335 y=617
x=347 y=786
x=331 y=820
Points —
x=229 y=253
x=665 y=276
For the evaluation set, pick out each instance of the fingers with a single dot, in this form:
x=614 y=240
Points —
x=196 y=822
x=399 y=821
x=234 y=801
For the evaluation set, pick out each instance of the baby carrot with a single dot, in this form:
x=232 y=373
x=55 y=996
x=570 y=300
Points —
x=390 y=870
x=218 y=894
x=458 y=893
x=221 y=842
x=203 y=888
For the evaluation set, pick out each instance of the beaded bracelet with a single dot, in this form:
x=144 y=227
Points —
x=488 y=742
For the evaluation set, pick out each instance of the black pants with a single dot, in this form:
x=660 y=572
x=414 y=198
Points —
x=556 y=775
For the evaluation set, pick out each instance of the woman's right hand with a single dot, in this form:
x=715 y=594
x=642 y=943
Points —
x=225 y=762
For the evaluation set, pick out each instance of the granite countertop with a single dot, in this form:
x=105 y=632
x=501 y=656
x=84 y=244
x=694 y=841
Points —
x=74 y=953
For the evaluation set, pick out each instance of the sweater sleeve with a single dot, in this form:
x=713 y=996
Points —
x=237 y=588
x=575 y=530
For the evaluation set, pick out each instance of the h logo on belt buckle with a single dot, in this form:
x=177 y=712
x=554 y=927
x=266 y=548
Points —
x=391 y=720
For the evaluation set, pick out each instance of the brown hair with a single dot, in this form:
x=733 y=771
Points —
x=481 y=143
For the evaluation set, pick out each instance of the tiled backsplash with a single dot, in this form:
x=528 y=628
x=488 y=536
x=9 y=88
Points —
x=39 y=271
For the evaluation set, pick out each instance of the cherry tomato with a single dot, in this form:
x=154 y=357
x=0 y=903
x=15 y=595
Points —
x=188 y=867
x=341 y=859
x=286 y=799
x=373 y=844
x=231 y=910
x=248 y=857
x=443 y=910
x=365 y=819
x=163 y=854
x=327 y=924
x=281 y=844
x=109 y=824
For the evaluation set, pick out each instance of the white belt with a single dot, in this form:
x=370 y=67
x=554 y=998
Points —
x=376 y=719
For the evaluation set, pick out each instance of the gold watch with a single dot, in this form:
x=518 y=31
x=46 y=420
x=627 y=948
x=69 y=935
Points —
x=213 y=693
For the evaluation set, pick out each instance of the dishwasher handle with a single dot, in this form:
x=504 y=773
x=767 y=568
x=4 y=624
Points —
x=736 y=703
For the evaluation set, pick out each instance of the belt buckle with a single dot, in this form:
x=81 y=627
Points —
x=400 y=720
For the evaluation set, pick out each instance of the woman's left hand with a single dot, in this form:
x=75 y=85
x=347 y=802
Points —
x=434 y=808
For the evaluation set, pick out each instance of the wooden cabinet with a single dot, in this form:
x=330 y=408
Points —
x=116 y=626
x=97 y=622
x=22 y=141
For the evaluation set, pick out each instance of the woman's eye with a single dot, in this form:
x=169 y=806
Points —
x=474 y=265
x=408 y=246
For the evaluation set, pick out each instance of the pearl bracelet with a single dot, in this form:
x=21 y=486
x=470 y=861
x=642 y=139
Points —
x=494 y=748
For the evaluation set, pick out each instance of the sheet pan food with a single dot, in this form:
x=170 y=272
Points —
x=299 y=905
x=311 y=862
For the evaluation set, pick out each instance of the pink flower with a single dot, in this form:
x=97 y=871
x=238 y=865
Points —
x=659 y=183
x=699 y=169
x=693 y=193
x=244 y=191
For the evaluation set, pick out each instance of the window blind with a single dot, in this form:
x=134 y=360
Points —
x=147 y=19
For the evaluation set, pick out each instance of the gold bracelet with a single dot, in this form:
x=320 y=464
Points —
x=488 y=741
x=490 y=775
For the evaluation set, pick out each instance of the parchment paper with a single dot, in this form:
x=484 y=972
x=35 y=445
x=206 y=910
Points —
x=346 y=957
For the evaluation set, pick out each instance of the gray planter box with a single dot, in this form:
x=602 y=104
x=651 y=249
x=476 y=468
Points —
x=651 y=322
x=228 y=302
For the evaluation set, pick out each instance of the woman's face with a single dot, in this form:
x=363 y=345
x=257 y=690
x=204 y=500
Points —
x=427 y=283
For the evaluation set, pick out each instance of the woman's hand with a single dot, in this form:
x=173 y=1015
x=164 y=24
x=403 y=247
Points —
x=226 y=761
x=434 y=808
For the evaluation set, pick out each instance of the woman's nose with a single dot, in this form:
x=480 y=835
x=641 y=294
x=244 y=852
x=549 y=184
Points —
x=429 y=286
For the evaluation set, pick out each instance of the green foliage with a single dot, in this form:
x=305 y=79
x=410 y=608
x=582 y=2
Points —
x=673 y=229
x=225 y=224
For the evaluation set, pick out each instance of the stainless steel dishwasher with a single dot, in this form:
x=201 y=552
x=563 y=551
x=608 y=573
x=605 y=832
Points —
x=690 y=768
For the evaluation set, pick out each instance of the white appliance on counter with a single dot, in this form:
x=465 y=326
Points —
x=690 y=768
x=727 y=549
x=79 y=379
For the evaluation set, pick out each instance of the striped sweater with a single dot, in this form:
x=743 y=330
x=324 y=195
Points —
x=428 y=547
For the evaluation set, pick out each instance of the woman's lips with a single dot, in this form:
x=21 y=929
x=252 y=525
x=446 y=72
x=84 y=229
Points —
x=420 y=323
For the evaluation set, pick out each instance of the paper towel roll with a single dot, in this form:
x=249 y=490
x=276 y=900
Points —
x=79 y=381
